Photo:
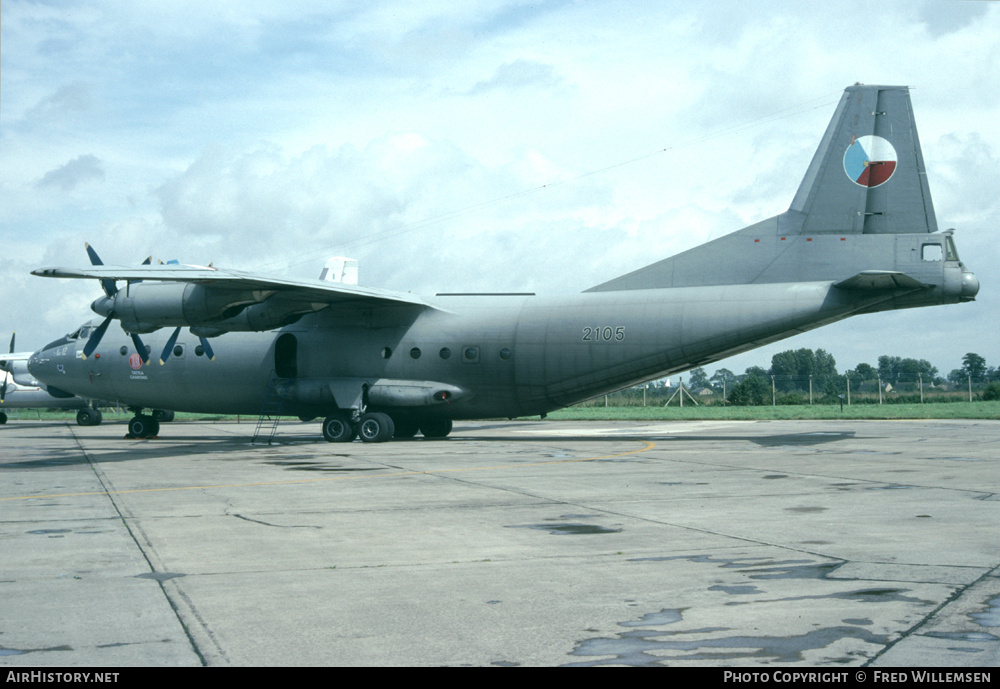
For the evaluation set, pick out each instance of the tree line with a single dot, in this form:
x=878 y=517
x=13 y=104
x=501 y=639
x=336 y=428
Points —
x=796 y=373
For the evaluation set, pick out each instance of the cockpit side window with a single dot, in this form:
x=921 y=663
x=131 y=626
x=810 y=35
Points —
x=931 y=252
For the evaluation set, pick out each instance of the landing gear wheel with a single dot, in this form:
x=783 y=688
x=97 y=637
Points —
x=376 y=428
x=89 y=417
x=143 y=426
x=337 y=428
x=405 y=428
x=3 y=417
x=435 y=428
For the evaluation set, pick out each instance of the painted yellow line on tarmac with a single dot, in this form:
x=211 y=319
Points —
x=647 y=445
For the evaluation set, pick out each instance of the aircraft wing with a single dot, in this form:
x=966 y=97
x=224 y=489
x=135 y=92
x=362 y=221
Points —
x=317 y=291
x=879 y=280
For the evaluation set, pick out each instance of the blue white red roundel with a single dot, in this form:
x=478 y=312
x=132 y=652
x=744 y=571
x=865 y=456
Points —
x=870 y=161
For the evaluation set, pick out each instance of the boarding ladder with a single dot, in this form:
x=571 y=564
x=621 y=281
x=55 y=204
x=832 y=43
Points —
x=270 y=411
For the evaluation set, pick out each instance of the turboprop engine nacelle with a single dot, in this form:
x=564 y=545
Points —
x=146 y=306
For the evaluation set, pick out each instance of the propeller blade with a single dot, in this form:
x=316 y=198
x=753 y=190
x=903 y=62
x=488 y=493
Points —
x=12 y=336
x=108 y=285
x=3 y=388
x=95 y=260
x=170 y=345
x=140 y=348
x=208 y=348
x=95 y=337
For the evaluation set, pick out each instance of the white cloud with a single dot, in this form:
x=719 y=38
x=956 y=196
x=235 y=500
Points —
x=556 y=144
x=82 y=169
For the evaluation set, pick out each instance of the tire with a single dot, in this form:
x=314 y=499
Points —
x=89 y=417
x=337 y=428
x=376 y=428
x=405 y=428
x=143 y=426
x=3 y=417
x=435 y=428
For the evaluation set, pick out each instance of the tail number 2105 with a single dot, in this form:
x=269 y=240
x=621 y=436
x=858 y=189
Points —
x=606 y=334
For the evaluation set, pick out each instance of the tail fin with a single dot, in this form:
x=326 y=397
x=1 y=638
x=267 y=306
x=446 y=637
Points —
x=868 y=175
x=867 y=178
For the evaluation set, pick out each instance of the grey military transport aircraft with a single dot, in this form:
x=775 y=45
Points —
x=860 y=236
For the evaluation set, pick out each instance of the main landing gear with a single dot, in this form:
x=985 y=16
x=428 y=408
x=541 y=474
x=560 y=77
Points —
x=143 y=426
x=378 y=427
x=147 y=425
x=88 y=416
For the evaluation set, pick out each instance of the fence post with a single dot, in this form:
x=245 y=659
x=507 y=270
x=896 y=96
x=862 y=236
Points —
x=970 y=387
x=810 y=389
x=848 y=390
x=921 y=377
x=880 y=389
x=774 y=399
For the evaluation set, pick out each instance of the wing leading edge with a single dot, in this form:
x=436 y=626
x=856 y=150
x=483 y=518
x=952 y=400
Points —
x=318 y=291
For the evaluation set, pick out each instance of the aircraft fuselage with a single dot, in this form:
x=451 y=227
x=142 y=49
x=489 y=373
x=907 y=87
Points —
x=498 y=355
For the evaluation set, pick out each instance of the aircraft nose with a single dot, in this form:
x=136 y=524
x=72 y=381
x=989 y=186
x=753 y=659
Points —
x=35 y=365
x=970 y=286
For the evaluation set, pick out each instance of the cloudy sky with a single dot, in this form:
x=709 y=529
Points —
x=495 y=145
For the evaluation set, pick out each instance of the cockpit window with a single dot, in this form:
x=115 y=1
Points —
x=951 y=254
x=83 y=332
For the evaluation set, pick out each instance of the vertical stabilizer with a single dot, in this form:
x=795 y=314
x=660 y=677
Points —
x=868 y=175
x=866 y=180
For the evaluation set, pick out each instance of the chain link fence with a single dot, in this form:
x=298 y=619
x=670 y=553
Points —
x=798 y=390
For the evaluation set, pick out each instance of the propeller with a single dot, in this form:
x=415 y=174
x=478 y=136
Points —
x=110 y=290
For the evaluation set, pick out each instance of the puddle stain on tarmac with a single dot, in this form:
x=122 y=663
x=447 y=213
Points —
x=643 y=645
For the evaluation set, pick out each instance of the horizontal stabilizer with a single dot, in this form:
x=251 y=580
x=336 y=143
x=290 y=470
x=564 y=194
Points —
x=880 y=280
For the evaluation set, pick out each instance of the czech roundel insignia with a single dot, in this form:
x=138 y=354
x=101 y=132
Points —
x=870 y=161
x=135 y=361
